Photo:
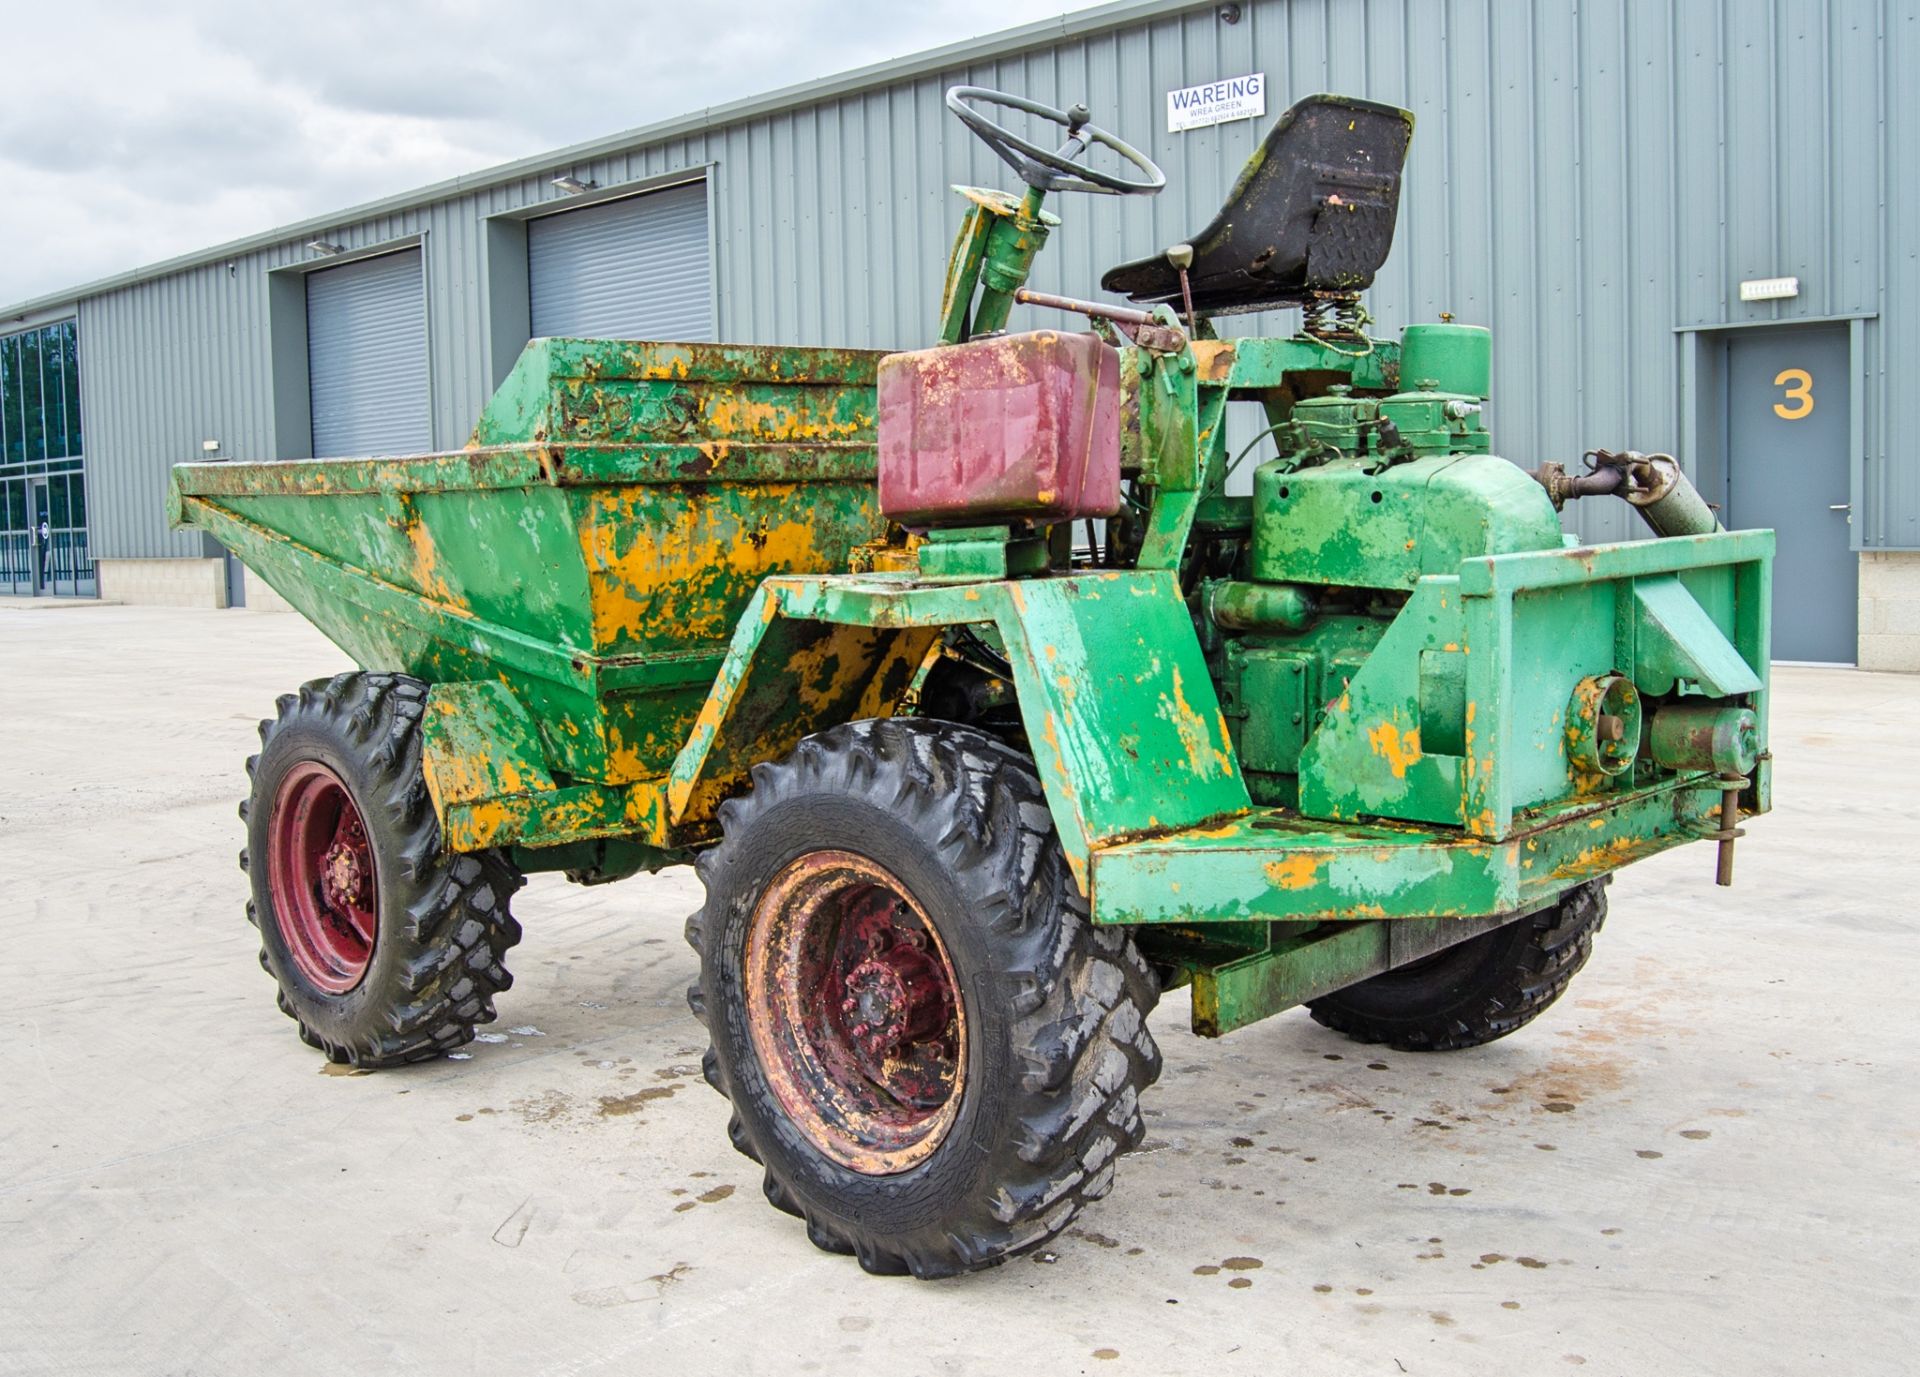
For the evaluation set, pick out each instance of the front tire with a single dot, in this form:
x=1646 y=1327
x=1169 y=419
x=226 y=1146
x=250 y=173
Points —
x=927 y=1044
x=387 y=950
x=1482 y=989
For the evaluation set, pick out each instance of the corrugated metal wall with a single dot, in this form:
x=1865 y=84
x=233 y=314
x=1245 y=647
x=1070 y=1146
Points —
x=1585 y=177
x=637 y=267
x=367 y=356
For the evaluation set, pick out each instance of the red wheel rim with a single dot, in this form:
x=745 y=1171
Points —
x=321 y=871
x=855 y=1012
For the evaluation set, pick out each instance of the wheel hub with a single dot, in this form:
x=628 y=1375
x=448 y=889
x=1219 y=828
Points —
x=344 y=873
x=322 y=878
x=854 y=1011
x=895 y=997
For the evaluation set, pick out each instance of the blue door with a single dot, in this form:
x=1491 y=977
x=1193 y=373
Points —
x=1787 y=436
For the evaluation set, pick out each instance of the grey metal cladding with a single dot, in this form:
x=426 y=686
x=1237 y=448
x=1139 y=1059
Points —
x=636 y=268
x=367 y=357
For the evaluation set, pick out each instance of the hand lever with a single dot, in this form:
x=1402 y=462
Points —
x=1077 y=119
x=1139 y=326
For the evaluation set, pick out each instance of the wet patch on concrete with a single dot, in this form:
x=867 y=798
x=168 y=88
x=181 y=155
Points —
x=614 y=1106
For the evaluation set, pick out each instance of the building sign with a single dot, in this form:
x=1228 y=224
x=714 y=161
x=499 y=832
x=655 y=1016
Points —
x=1769 y=288
x=1218 y=102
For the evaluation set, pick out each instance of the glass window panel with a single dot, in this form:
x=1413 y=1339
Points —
x=10 y=397
x=40 y=394
x=19 y=545
x=34 y=415
x=53 y=392
x=41 y=417
x=52 y=425
x=57 y=494
x=70 y=350
x=77 y=499
x=39 y=421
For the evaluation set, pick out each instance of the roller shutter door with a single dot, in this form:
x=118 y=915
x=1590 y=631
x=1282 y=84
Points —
x=636 y=268
x=367 y=357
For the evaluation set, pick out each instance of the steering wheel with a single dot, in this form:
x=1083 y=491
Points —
x=1053 y=171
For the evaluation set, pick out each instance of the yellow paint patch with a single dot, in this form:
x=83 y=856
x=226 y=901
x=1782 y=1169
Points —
x=624 y=759
x=1592 y=860
x=1295 y=872
x=482 y=825
x=668 y=564
x=1213 y=359
x=426 y=567
x=1062 y=778
x=1398 y=748
x=1207 y=759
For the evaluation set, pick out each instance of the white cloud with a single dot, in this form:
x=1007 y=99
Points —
x=130 y=132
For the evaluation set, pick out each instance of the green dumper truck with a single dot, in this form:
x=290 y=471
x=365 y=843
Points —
x=986 y=711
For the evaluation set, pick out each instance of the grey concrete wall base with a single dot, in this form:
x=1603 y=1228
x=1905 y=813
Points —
x=262 y=598
x=1890 y=610
x=164 y=582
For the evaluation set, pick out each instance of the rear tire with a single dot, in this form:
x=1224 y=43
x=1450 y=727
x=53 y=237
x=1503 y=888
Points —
x=387 y=950
x=1483 y=989
x=1019 y=1048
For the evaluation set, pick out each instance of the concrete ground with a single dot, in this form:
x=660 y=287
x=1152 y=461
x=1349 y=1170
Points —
x=1703 y=1160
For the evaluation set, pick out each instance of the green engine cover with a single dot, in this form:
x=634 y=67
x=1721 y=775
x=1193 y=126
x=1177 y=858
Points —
x=1448 y=358
x=1273 y=690
x=1353 y=524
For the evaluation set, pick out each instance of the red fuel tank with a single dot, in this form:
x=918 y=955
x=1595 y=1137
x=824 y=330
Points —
x=1024 y=427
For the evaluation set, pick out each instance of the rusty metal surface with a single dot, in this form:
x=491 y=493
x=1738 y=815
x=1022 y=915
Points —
x=856 y=1016
x=593 y=549
x=1299 y=966
x=1273 y=865
x=1024 y=426
x=1126 y=729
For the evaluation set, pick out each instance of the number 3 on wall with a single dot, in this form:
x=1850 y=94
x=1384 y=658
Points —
x=1799 y=401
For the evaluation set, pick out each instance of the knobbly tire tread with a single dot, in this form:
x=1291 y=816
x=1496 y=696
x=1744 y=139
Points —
x=445 y=919
x=1495 y=984
x=1081 y=1051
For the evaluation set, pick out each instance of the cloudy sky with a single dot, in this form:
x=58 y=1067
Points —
x=130 y=132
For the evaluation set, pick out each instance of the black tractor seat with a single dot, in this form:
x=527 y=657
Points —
x=1312 y=213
